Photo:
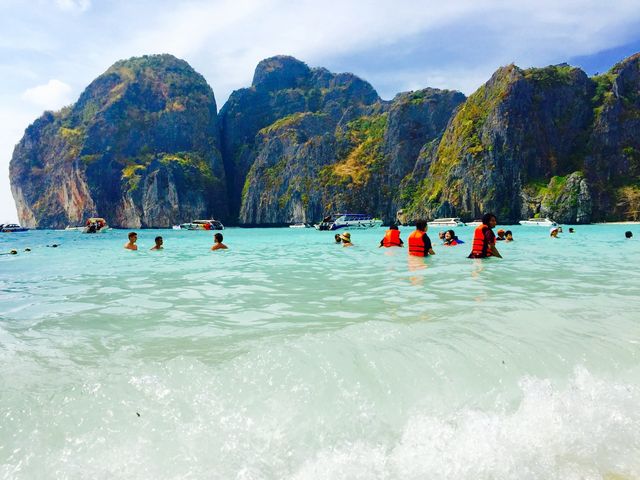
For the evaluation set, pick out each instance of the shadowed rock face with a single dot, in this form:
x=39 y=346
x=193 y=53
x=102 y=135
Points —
x=539 y=141
x=282 y=87
x=140 y=147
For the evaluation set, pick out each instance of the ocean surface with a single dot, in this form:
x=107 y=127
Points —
x=290 y=357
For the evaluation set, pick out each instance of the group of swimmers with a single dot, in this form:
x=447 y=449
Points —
x=483 y=246
x=159 y=242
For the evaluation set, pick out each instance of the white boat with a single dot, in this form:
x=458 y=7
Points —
x=93 y=225
x=538 y=222
x=348 y=220
x=209 y=224
x=446 y=222
x=299 y=225
x=475 y=223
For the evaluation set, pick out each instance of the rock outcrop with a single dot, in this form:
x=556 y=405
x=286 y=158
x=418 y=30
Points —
x=144 y=146
x=140 y=147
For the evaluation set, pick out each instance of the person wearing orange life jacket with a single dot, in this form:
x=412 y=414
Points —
x=484 y=240
x=392 y=238
x=419 y=241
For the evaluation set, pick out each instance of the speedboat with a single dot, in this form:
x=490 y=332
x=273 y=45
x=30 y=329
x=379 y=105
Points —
x=299 y=225
x=475 y=223
x=200 y=225
x=96 y=225
x=538 y=222
x=12 y=228
x=348 y=220
x=446 y=222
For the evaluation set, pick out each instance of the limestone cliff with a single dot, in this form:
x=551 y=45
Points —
x=140 y=147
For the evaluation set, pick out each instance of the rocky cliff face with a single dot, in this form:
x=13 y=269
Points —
x=342 y=148
x=140 y=147
x=143 y=146
x=282 y=87
x=532 y=142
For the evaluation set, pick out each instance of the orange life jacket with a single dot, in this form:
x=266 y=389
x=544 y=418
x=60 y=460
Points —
x=480 y=248
x=416 y=244
x=391 y=238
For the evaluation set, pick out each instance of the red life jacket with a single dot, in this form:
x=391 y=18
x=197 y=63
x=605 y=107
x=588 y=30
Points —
x=416 y=244
x=391 y=238
x=480 y=248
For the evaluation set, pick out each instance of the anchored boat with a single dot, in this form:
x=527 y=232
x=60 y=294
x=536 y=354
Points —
x=11 y=228
x=538 y=222
x=210 y=224
x=348 y=220
x=446 y=222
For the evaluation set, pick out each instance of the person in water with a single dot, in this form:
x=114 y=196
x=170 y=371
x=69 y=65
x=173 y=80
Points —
x=131 y=244
x=572 y=230
x=553 y=232
x=158 y=245
x=501 y=235
x=508 y=236
x=419 y=241
x=346 y=239
x=451 y=239
x=628 y=234
x=484 y=240
x=441 y=235
x=218 y=245
x=392 y=238
x=337 y=237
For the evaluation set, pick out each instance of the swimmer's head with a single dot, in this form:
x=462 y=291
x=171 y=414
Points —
x=218 y=237
x=628 y=234
x=337 y=237
x=13 y=252
x=158 y=241
x=133 y=236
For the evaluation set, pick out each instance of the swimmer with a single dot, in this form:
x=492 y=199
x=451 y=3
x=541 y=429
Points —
x=337 y=237
x=628 y=234
x=508 y=236
x=450 y=239
x=10 y=252
x=131 y=244
x=218 y=245
x=391 y=238
x=571 y=230
x=346 y=239
x=553 y=232
x=484 y=240
x=501 y=234
x=27 y=249
x=158 y=245
x=441 y=235
x=419 y=241
x=55 y=245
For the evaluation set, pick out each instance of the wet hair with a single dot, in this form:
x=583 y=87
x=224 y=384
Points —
x=393 y=226
x=571 y=230
x=486 y=218
x=132 y=234
x=218 y=237
x=628 y=234
x=421 y=225
x=158 y=239
x=452 y=233
x=508 y=232
x=337 y=237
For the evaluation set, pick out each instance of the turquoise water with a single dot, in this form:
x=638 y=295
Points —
x=290 y=357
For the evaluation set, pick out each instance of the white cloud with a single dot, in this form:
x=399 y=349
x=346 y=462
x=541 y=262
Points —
x=73 y=5
x=51 y=96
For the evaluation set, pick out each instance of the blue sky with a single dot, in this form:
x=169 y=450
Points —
x=51 y=49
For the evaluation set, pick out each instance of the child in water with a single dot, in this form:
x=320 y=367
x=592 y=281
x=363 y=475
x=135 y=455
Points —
x=508 y=236
x=218 y=245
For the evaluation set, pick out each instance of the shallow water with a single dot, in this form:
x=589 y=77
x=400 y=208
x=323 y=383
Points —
x=290 y=357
